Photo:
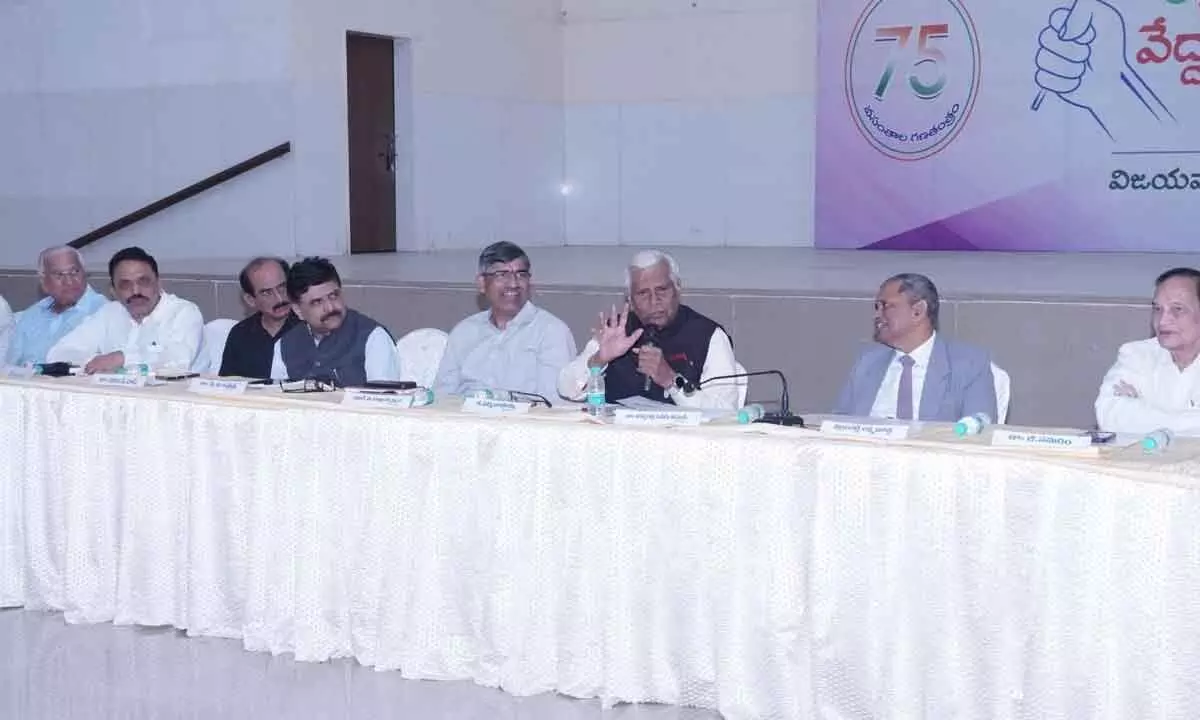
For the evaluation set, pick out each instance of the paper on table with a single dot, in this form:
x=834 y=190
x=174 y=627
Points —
x=637 y=402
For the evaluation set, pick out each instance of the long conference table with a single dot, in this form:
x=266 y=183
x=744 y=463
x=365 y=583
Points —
x=763 y=572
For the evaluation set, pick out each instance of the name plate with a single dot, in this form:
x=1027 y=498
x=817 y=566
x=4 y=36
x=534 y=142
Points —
x=125 y=381
x=1041 y=441
x=394 y=401
x=484 y=406
x=217 y=386
x=660 y=418
x=882 y=431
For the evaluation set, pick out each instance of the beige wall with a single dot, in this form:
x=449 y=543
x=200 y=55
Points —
x=1055 y=350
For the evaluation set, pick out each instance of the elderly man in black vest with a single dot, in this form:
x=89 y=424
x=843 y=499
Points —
x=333 y=341
x=662 y=350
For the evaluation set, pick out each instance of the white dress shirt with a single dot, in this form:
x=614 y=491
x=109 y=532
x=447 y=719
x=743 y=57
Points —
x=889 y=389
x=6 y=326
x=526 y=355
x=381 y=361
x=168 y=338
x=1167 y=396
x=572 y=381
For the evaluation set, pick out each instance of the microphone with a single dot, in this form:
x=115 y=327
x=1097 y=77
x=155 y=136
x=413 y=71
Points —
x=784 y=416
x=649 y=335
x=516 y=394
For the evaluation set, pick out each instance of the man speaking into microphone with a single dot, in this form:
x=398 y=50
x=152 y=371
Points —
x=655 y=347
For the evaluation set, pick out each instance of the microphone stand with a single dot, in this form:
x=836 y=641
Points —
x=784 y=416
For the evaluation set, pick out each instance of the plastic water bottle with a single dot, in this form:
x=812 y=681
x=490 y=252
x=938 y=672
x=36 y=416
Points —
x=1157 y=441
x=972 y=424
x=595 y=391
x=750 y=413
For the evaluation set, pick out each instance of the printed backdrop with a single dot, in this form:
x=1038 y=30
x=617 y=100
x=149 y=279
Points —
x=1030 y=125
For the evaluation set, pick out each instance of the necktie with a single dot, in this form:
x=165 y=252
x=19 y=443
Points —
x=904 y=398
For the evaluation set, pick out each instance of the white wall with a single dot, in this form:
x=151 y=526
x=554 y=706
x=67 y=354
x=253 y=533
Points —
x=106 y=105
x=487 y=118
x=673 y=122
x=690 y=122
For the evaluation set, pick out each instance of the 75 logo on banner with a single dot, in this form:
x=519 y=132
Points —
x=927 y=56
x=910 y=86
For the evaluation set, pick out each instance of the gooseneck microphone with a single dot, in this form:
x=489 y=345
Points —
x=784 y=416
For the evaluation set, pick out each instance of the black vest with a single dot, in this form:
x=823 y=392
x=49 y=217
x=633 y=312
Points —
x=684 y=344
x=343 y=351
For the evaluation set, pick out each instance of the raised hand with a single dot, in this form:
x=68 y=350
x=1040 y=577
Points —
x=611 y=336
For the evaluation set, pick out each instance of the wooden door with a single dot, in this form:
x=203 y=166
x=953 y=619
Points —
x=371 y=110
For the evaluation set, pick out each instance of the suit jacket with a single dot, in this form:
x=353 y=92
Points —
x=958 y=382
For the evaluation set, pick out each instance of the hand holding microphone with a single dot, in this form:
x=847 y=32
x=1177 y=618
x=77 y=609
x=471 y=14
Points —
x=653 y=364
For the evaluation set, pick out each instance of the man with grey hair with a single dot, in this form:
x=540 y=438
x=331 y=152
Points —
x=662 y=350
x=914 y=373
x=69 y=301
x=513 y=344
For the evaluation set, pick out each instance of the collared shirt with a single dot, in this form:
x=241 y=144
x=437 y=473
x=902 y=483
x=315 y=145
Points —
x=381 y=362
x=38 y=327
x=6 y=327
x=1167 y=396
x=167 y=338
x=572 y=381
x=249 y=348
x=525 y=356
x=889 y=389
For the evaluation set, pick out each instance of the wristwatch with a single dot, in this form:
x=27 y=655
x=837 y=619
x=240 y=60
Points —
x=681 y=384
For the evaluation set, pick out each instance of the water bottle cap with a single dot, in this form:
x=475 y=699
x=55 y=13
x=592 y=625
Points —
x=595 y=370
x=743 y=417
x=960 y=428
x=1149 y=444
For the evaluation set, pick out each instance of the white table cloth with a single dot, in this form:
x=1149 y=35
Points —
x=765 y=575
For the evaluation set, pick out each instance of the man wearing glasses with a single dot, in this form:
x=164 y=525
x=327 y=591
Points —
x=513 y=345
x=251 y=343
x=69 y=301
x=656 y=347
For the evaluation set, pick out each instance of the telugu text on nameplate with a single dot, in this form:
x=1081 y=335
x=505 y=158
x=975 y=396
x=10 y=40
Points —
x=881 y=431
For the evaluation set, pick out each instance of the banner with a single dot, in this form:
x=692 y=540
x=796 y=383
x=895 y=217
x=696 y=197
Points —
x=1064 y=125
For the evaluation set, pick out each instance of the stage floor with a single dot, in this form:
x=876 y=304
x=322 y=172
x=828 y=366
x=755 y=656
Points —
x=786 y=271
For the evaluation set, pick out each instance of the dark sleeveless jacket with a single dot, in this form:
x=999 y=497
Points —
x=343 y=351
x=684 y=343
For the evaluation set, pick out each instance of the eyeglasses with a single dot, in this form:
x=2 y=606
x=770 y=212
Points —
x=65 y=274
x=506 y=275
x=324 y=383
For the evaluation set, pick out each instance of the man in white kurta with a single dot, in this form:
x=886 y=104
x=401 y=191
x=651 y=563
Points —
x=1155 y=383
x=144 y=325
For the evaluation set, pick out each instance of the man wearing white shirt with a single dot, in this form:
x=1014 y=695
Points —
x=144 y=325
x=333 y=341
x=68 y=302
x=513 y=345
x=662 y=350
x=913 y=373
x=1155 y=383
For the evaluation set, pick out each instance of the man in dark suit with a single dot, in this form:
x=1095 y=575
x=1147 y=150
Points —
x=913 y=372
